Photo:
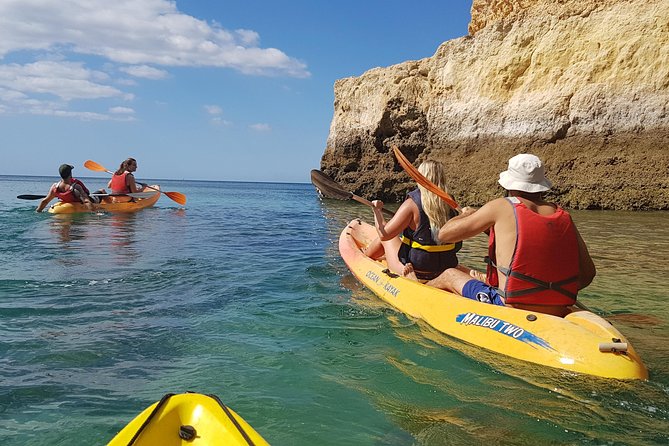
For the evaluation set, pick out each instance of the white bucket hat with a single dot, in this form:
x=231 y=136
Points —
x=525 y=173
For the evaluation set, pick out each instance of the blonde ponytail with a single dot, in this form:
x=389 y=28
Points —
x=436 y=209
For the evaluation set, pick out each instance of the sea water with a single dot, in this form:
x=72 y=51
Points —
x=242 y=293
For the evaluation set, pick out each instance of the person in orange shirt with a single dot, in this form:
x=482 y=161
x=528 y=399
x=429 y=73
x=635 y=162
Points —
x=123 y=180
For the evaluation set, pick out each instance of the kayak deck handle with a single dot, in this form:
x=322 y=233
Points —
x=615 y=346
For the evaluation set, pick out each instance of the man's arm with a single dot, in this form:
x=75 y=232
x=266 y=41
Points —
x=586 y=267
x=81 y=194
x=45 y=201
x=470 y=223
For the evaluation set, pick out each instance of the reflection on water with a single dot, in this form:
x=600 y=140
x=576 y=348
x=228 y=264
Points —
x=123 y=227
x=111 y=235
x=71 y=232
x=68 y=227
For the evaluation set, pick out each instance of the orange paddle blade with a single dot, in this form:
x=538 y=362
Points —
x=420 y=179
x=92 y=165
x=177 y=196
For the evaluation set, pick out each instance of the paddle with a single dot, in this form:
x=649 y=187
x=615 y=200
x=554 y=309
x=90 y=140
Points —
x=420 y=179
x=133 y=195
x=331 y=189
x=30 y=197
x=176 y=196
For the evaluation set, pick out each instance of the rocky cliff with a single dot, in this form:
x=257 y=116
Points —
x=584 y=84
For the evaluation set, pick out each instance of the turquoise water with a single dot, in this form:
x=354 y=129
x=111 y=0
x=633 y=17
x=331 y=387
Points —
x=243 y=294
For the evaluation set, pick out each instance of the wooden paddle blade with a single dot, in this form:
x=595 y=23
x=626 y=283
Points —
x=328 y=187
x=177 y=196
x=92 y=165
x=30 y=197
x=420 y=179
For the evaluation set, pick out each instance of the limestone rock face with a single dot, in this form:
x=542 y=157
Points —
x=583 y=84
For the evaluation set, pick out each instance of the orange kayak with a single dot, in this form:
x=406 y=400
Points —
x=130 y=206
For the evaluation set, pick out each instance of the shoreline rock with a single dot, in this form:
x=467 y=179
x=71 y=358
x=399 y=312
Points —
x=582 y=84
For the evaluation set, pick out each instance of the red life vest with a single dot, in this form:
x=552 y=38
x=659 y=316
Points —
x=119 y=185
x=544 y=265
x=68 y=196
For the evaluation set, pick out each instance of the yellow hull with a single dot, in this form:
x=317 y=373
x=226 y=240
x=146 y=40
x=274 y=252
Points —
x=132 y=206
x=571 y=343
x=190 y=419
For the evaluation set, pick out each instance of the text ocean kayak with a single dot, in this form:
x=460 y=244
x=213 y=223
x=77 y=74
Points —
x=131 y=206
x=190 y=419
x=580 y=342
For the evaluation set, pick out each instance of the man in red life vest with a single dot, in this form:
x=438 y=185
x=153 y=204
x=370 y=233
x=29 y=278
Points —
x=67 y=190
x=537 y=260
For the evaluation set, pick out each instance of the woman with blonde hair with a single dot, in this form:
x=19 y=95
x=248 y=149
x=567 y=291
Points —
x=410 y=239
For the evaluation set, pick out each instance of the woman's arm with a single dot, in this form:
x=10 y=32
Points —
x=130 y=182
x=401 y=220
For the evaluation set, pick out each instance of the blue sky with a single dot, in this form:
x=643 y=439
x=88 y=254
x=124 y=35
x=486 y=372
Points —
x=194 y=89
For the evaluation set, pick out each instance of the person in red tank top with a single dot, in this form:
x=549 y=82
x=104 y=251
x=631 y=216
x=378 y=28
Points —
x=123 y=180
x=68 y=190
x=537 y=259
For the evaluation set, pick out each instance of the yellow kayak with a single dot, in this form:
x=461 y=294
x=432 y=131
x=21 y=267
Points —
x=130 y=206
x=580 y=342
x=188 y=419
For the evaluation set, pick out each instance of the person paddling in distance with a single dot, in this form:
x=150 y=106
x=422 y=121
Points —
x=409 y=239
x=123 y=180
x=68 y=190
x=537 y=260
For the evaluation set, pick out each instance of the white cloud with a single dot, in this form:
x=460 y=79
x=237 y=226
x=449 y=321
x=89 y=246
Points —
x=84 y=116
x=217 y=120
x=248 y=37
x=136 y=32
x=145 y=71
x=126 y=82
x=136 y=37
x=121 y=110
x=66 y=80
x=260 y=127
x=213 y=109
x=14 y=102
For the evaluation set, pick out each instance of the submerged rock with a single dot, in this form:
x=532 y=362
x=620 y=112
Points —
x=583 y=84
